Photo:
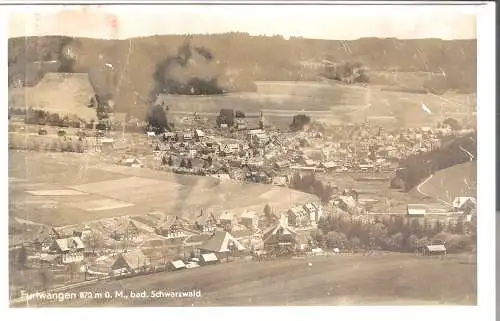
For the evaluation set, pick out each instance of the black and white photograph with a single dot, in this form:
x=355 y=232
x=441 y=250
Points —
x=191 y=155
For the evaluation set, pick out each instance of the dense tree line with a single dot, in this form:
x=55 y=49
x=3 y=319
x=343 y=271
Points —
x=416 y=168
x=392 y=233
x=310 y=184
x=347 y=72
x=43 y=117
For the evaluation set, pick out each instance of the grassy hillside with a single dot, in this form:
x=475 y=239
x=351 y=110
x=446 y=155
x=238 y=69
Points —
x=233 y=61
x=393 y=279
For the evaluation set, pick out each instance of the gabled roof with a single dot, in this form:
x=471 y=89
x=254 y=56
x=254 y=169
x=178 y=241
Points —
x=69 y=243
x=134 y=259
x=281 y=227
x=219 y=242
x=178 y=264
x=209 y=257
x=436 y=248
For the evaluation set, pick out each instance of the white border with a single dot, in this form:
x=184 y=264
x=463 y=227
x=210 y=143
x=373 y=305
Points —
x=486 y=229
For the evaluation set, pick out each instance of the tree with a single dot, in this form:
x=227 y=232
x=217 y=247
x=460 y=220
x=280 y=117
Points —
x=157 y=120
x=93 y=240
x=299 y=121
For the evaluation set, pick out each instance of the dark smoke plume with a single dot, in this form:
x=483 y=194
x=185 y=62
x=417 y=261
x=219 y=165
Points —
x=190 y=72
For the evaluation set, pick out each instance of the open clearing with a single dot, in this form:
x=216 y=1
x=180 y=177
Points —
x=113 y=190
x=391 y=279
x=455 y=181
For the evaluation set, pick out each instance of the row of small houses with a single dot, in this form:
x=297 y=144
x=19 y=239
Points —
x=219 y=245
x=304 y=215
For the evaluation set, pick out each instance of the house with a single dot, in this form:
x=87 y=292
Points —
x=208 y=258
x=187 y=137
x=227 y=219
x=175 y=265
x=298 y=216
x=279 y=236
x=222 y=244
x=250 y=220
x=70 y=248
x=315 y=212
x=132 y=162
x=172 y=227
x=416 y=210
x=199 y=134
x=464 y=204
x=346 y=203
x=431 y=250
x=205 y=222
x=130 y=262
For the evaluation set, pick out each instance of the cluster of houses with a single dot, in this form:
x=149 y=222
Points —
x=264 y=155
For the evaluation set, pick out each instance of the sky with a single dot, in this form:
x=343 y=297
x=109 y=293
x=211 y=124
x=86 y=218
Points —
x=310 y=21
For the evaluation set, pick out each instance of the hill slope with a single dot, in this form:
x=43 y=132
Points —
x=234 y=60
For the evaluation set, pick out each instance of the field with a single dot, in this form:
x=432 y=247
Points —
x=57 y=93
x=324 y=100
x=331 y=102
x=390 y=279
x=455 y=181
x=108 y=190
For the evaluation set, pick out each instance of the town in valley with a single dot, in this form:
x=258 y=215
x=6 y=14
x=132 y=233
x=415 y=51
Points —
x=322 y=175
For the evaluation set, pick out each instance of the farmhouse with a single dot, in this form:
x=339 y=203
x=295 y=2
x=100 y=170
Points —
x=130 y=262
x=222 y=244
x=279 y=236
x=71 y=249
x=172 y=227
x=297 y=216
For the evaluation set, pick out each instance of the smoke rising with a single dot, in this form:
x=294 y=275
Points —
x=190 y=72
